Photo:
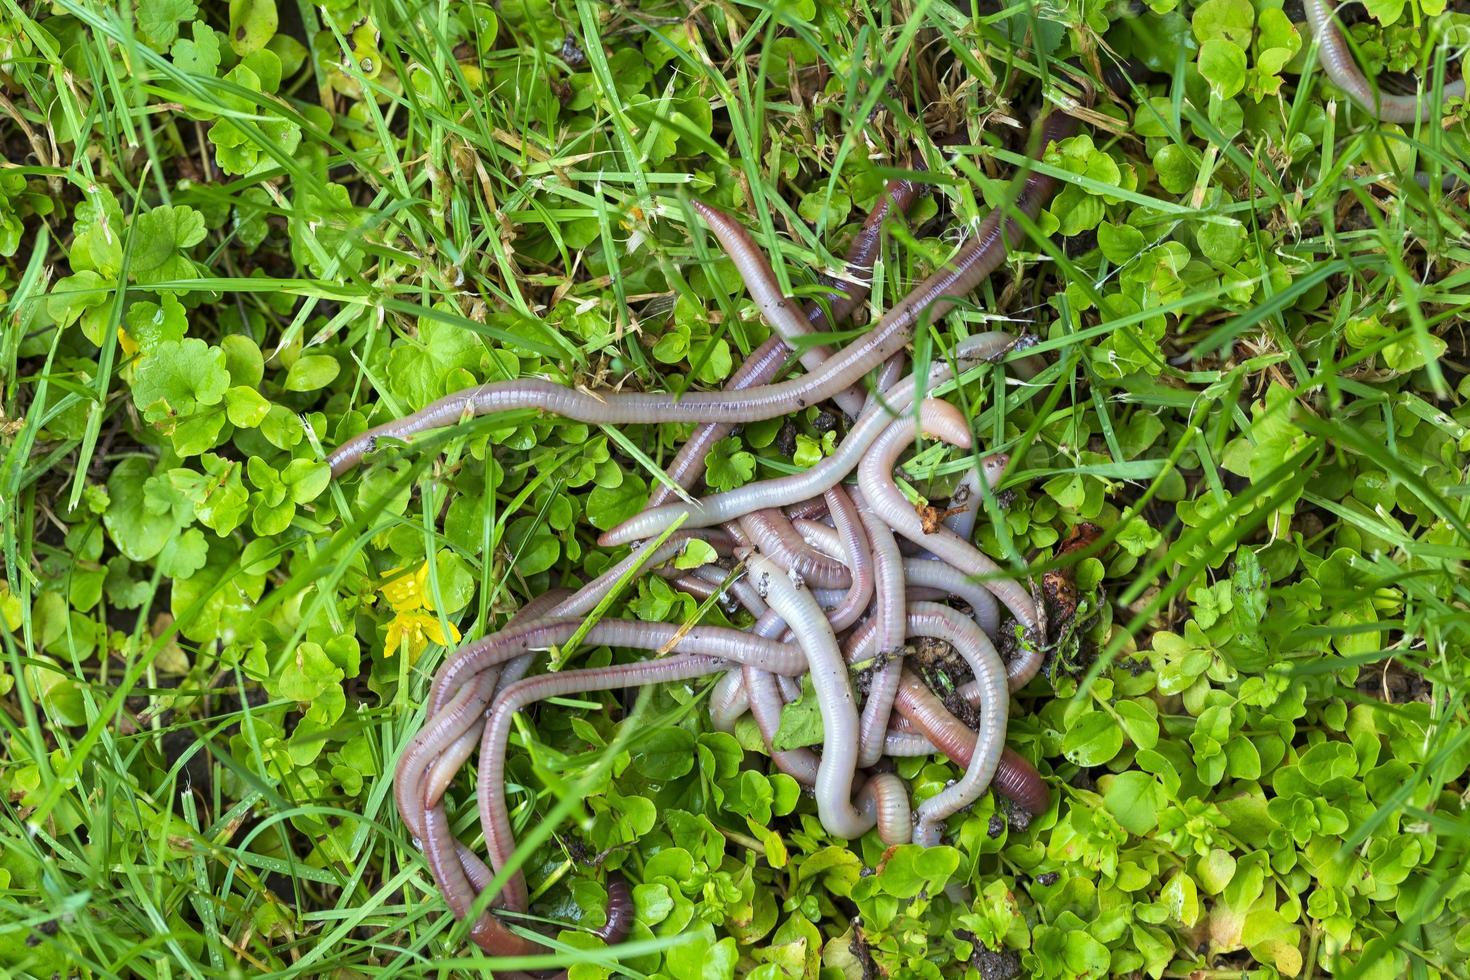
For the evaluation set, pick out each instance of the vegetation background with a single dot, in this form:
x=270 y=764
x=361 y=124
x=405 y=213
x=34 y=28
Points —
x=235 y=233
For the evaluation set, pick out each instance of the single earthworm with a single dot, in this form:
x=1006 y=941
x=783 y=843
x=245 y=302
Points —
x=766 y=361
x=728 y=701
x=888 y=375
x=494 y=818
x=780 y=313
x=889 y=806
x=945 y=577
x=875 y=477
x=789 y=687
x=907 y=745
x=852 y=531
x=812 y=509
x=1337 y=61
x=696 y=586
x=931 y=299
x=888 y=617
x=1015 y=778
x=833 y=687
x=964 y=503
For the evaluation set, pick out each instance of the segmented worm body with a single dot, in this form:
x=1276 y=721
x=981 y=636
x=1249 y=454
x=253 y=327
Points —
x=1337 y=61
x=814 y=562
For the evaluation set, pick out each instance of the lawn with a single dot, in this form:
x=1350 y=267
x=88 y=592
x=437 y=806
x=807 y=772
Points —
x=234 y=235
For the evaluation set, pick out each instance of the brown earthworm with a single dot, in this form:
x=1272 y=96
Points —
x=494 y=819
x=765 y=362
x=1337 y=61
x=976 y=259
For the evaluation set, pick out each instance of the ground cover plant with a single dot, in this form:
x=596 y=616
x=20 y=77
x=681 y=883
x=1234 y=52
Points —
x=233 y=235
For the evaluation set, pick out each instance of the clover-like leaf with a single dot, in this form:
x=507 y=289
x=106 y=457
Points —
x=178 y=378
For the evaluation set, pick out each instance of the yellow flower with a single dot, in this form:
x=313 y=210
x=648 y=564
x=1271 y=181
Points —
x=406 y=592
x=415 y=630
x=413 y=622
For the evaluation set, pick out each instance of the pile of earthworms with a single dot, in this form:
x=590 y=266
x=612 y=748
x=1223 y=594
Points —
x=815 y=561
x=835 y=573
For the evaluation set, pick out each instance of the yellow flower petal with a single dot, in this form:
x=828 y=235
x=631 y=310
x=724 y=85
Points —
x=403 y=593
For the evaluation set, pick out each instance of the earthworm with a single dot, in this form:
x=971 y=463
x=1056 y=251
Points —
x=807 y=509
x=854 y=601
x=797 y=487
x=494 y=818
x=984 y=662
x=964 y=503
x=728 y=701
x=833 y=689
x=1337 y=61
x=942 y=575
x=760 y=281
x=888 y=617
x=417 y=764
x=931 y=299
x=875 y=476
x=731 y=644
x=771 y=532
x=774 y=493
x=1015 y=778
x=882 y=800
x=941 y=622
x=766 y=361
x=828 y=593
x=927 y=572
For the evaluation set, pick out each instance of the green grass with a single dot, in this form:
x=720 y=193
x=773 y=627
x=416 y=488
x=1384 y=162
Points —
x=1257 y=384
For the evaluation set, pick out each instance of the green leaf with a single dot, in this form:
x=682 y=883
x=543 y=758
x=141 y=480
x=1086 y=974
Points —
x=664 y=753
x=158 y=20
x=1140 y=722
x=1181 y=899
x=610 y=506
x=252 y=24
x=178 y=378
x=158 y=236
x=728 y=466
x=152 y=324
x=1229 y=20
x=418 y=367
x=1222 y=63
x=199 y=56
x=801 y=722
x=1134 y=798
x=696 y=554
x=246 y=407
x=144 y=511
x=74 y=295
x=307 y=674
x=1271 y=939
x=1093 y=739
x=311 y=372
